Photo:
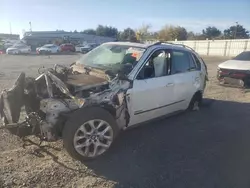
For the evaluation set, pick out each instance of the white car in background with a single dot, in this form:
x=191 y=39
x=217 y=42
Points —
x=48 y=49
x=78 y=47
x=236 y=71
x=18 y=49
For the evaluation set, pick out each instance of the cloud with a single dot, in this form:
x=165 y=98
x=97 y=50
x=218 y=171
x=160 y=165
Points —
x=189 y=24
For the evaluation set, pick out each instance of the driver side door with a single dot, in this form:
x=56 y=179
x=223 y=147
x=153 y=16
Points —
x=152 y=94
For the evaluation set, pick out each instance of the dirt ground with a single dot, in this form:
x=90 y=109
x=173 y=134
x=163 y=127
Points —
x=209 y=148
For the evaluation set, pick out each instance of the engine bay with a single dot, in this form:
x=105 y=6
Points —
x=50 y=98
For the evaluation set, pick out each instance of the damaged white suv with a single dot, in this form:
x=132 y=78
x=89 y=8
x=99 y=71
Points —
x=111 y=88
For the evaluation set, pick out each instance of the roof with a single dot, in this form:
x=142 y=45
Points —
x=134 y=44
x=141 y=45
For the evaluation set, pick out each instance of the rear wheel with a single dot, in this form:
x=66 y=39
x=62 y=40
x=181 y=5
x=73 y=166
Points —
x=195 y=102
x=89 y=133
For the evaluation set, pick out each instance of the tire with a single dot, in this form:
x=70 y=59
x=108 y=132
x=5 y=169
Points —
x=79 y=119
x=195 y=102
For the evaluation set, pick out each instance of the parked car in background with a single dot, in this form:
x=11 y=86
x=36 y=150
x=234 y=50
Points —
x=235 y=72
x=88 y=47
x=67 y=48
x=78 y=47
x=18 y=49
x=48 y=49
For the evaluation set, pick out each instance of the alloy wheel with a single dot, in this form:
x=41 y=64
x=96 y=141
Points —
x=93 y=138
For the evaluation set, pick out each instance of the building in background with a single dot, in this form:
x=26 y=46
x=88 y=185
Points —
x=7 y=40
x=4 y=36
x=39 y=38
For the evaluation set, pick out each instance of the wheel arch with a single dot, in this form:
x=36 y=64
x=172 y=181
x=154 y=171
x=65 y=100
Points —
x=66 y=117
x=198 y=94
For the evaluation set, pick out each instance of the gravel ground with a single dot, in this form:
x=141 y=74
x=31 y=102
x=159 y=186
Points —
x=209 y=148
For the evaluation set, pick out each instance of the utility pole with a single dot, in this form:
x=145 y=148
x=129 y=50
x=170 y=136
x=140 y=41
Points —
x=10 y=28
x=30 y=27
x=235 y=30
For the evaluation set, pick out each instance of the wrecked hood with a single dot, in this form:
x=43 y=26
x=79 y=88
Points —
x=107 y=72
x=11 y=100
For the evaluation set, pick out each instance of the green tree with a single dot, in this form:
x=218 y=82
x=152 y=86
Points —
x=211 y=32
x=89 y=31
x=236 y=32
x=190 y=35
x=200 y=36
x=127 y=34
x=170 y=33
x=106 y=31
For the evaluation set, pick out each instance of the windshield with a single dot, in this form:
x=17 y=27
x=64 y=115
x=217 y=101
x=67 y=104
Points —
x=107 y=55
x=244 y=56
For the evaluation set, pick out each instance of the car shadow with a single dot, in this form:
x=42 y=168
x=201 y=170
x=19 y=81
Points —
x=205 y=148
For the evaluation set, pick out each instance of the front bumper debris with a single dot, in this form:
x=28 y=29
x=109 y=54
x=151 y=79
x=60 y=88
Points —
x=12 y=101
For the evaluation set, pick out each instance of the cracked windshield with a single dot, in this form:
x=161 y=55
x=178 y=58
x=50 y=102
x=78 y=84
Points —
x=122 y=94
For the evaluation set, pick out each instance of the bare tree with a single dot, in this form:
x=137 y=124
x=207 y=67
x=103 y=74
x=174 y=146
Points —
x=142 y=32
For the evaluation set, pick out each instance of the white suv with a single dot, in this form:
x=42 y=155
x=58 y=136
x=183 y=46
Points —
x=113 y=87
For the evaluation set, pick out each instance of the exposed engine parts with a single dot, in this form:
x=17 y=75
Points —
x=49 y=100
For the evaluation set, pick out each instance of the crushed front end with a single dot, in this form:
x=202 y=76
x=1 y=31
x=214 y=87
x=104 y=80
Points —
x=48 y=103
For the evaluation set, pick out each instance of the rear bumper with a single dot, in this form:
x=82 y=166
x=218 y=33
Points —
x=239 y=78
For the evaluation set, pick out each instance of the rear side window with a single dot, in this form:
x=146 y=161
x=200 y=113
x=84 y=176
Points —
x=197 y=61
x=181 y=62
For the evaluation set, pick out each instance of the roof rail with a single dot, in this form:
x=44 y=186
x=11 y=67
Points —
x=159 y=43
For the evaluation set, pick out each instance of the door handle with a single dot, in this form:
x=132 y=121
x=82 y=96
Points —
x=169 y=84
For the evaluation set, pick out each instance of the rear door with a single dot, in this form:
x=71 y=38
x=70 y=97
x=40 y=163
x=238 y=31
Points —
x=186 y=77
x=203 y=74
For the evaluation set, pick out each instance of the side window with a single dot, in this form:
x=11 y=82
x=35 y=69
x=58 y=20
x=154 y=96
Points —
x=181 y=61
x=197 y=61
x=156 y=66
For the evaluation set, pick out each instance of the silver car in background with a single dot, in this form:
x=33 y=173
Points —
x=18 y=49
x=48 y=49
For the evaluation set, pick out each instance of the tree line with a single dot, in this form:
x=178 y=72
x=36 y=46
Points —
x=169 y=33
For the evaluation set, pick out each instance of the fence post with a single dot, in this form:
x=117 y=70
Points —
x=245 y=47
x=229 y=48
x=208 y=47
x=225 y=49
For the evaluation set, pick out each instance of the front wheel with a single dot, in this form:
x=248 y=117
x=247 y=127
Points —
x=89 y=133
